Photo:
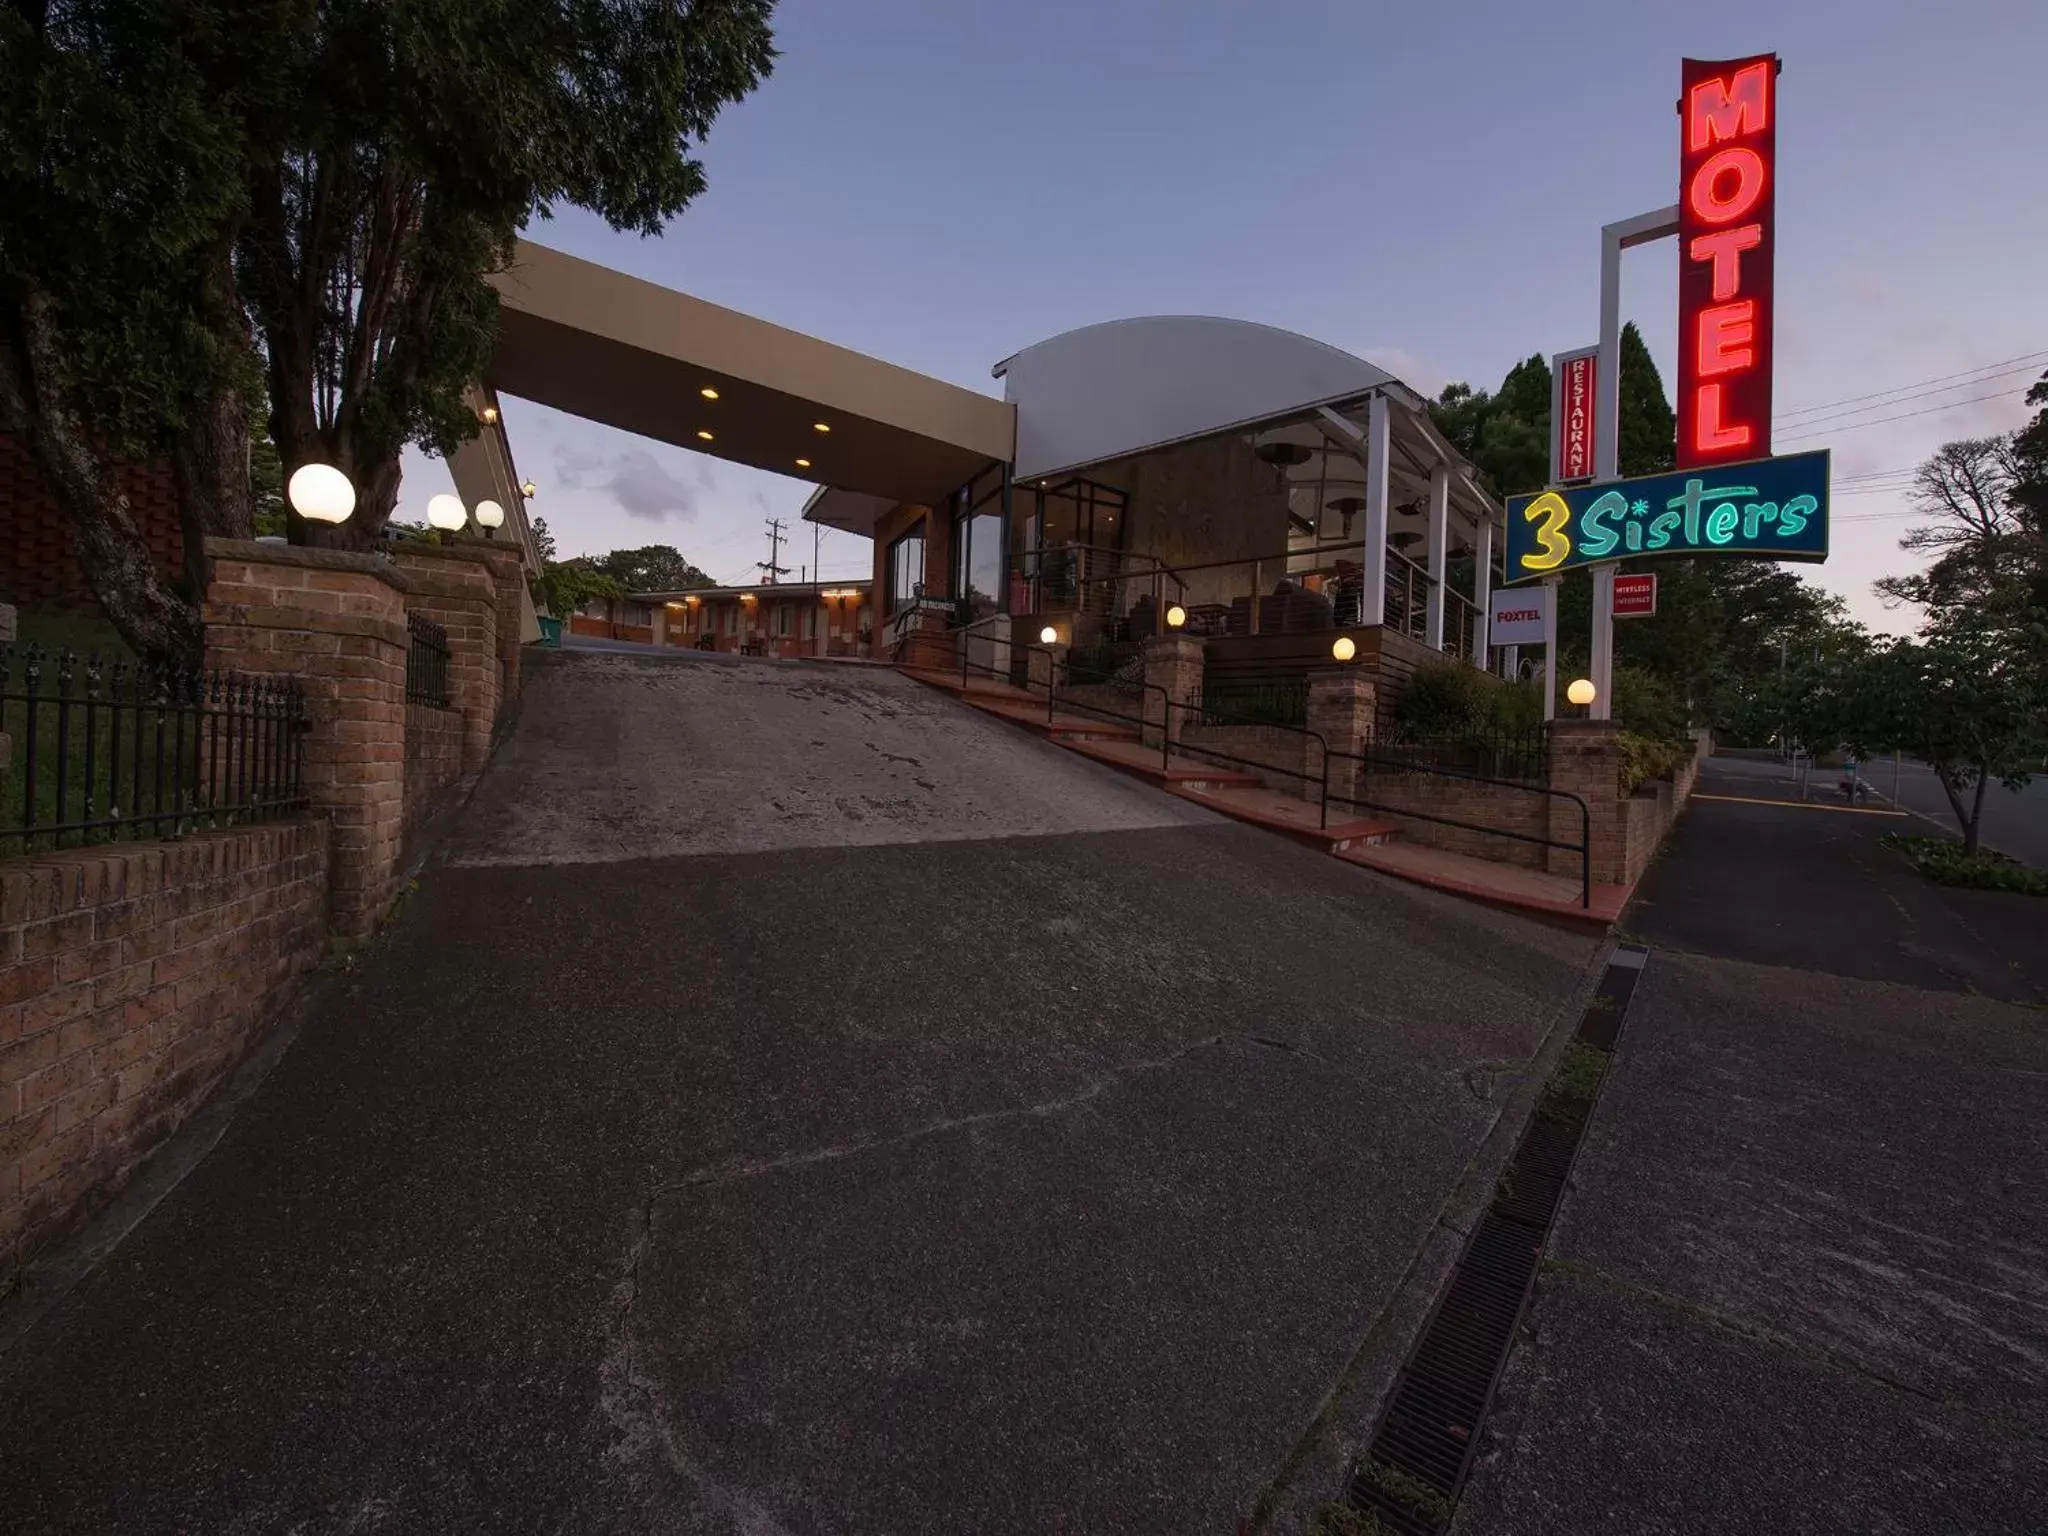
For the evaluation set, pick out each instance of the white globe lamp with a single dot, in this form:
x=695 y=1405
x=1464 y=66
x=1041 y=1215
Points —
x=320 y=493
x=489 y=515
x=1581 y=690
x=1048 y=636
x=446 y=512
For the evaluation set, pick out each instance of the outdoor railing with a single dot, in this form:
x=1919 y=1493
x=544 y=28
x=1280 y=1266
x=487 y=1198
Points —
x=1519 y=753
x=1375 y=761
x=426 y=662
x=101 y=751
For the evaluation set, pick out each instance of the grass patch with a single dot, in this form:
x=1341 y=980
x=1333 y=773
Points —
x=1412 y=1494
x=1943 y=861
x=1568 y=1095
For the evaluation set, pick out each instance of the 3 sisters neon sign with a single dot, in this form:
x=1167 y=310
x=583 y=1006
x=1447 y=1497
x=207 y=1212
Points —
x=1726 y=212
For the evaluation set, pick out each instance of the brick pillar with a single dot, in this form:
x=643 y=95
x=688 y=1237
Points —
x=1173 y=661
x=1045 y=665
x=1340 y=710
x=501 y=564
x=460 y=596
x=334 y=620
x=1585 y=760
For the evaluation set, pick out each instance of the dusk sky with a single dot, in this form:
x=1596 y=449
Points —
x=943 y=183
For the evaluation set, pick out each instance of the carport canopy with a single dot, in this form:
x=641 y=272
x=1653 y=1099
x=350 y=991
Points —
x=599 y=344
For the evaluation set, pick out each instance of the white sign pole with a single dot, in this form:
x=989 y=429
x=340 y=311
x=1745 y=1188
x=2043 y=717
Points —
x=1550 y=585
x=1614 y=239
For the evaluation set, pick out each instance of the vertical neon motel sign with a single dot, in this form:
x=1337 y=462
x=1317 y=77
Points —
x=1728 y=142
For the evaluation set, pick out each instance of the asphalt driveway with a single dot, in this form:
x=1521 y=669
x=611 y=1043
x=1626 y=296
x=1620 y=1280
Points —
x=1017 y=1151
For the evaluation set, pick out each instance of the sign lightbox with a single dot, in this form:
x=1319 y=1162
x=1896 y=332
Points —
x=1574 y=402
x=1727 y=202
x=1774 y=508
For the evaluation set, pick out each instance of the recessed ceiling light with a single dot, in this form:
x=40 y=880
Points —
x=705 y=435
x=708 y=392
x=819 y=426
x=803 y=463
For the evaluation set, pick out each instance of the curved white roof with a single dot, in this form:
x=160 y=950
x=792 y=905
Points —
x=1107 y=391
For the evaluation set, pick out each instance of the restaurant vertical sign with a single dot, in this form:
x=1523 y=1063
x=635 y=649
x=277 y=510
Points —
x=1574 y=400
x=1728 y=138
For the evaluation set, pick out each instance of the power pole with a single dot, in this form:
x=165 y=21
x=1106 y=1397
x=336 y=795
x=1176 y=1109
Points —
x=769 y=568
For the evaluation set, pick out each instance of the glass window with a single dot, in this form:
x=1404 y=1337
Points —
x=906 y=568
x=979 y=563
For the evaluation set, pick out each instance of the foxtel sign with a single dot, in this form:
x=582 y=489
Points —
x=1728 y=173
x=1773 y=508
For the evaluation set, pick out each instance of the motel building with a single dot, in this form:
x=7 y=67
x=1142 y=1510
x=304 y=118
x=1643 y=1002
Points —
x=1259 y=491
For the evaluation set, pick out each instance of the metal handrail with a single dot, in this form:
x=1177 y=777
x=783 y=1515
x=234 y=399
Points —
x=1583 y=847
x=1052 y=698
x=1219 y=718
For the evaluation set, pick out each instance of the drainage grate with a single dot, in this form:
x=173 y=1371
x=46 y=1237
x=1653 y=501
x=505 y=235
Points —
x=1417 y=1461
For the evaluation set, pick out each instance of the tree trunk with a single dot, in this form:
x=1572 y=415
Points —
x=132 y=589
x=1976 y=821
x=211 y=471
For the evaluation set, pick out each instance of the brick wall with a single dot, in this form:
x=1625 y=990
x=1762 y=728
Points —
x=131 y=979
x=336 y=621
x=433 y=758
x=456 y=592
x=1277 y=757
x=41 y=571
x=1486 y=805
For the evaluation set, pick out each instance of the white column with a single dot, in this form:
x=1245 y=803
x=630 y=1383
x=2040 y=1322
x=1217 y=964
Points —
x=1378 y=452
x=1439 y=530
x=1603 y=641
x=1550 y=587
x=1482 y=585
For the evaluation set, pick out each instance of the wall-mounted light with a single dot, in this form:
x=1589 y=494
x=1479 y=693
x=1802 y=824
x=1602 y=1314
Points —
x=490 y=415
x=489 y=515
x=320 y=493
x=446 y=512
x=1345 y=648
x=708 y=392
x=803 y=463
x=820 y=426
x=1176 y=616
x=704 y=437
x=528 y=489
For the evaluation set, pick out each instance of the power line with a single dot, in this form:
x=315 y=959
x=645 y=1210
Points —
x=1878 y=421
x=2027 y=358
x=1924 y=394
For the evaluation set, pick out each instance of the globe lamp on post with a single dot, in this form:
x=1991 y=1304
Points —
x=1580 y=691
x=446 y=512
x=489 y=515
x=1344 y=648
x=320 y=493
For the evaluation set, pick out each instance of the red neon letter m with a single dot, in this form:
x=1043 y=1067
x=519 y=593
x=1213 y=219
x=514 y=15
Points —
x=1725 y=109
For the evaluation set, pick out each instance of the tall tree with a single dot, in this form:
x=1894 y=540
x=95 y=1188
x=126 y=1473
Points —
x=125 y=145
x=651 y=568
x=430 y=133
x=1649 y=427
x=1965 y=699
x=1974 y=526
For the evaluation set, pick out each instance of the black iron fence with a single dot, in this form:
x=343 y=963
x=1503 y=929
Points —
x=1255 y=701
x=103 y=751
x=426 y=662
x=1495 y=752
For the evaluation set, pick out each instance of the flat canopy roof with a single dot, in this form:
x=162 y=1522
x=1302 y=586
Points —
x=596 y=343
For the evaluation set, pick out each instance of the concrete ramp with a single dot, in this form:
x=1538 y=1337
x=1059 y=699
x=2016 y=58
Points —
x=630 y=756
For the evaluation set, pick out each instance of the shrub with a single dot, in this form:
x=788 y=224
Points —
x=1945 y=863
x=1645 y=759
x=1649 y=706
x=1443 y=699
